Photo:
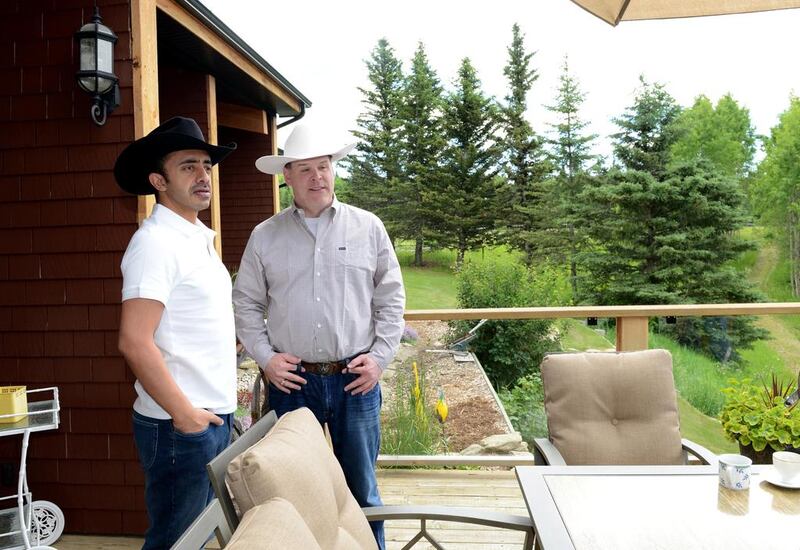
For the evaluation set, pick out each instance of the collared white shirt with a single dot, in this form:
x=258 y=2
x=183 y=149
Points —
x=326 y=296
x=174 y=262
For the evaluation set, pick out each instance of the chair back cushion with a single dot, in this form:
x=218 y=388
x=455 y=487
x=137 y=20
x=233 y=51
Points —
x=612 y=408
x=294 y=462
x=274 y=525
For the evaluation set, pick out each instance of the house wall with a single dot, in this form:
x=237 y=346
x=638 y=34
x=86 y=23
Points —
x=64 y=225
x=245 y=193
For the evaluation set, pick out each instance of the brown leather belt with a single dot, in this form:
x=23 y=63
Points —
x=325 y=369
x=328 y=368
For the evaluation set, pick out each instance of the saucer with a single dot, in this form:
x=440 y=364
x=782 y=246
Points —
x=772 y=476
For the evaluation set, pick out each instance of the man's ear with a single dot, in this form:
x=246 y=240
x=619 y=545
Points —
x=157 y=181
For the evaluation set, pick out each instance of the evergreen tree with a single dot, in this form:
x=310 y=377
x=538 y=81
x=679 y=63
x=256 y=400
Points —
x=525 y=163
x=466 y=213
x=666 y=233
x=422 y=141
x=647 y=131
x=724 y=136
x=375 y=168
x=571 y=154
x=776 y=189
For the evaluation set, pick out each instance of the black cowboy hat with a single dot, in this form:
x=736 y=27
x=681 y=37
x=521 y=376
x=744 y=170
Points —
x=139 y=159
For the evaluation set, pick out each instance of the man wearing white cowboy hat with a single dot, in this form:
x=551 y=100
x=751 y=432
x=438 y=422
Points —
x=176 y=328
x=327 y=279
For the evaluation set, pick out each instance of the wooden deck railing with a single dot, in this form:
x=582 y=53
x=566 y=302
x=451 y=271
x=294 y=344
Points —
x=632 y=334
x=632 y=321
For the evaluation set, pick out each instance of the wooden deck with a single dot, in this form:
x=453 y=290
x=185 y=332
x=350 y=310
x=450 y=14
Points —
x=489 y=490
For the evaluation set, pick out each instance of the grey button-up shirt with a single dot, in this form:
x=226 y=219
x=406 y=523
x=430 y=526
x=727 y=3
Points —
x=324 y=298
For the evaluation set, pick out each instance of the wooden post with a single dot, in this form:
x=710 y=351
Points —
x=273 y=138
x=145 y=80
x=632 y=333
x=213 y=138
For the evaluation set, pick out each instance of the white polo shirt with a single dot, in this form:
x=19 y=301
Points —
x=173 y=261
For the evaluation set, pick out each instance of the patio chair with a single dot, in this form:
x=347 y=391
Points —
x=280 y=486
x=612 y=408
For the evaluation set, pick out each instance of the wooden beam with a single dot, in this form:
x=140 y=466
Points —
x=632 y=333
x=456 y=460
x=171 y=8
x=145 y=80
x=213 y=138
x=242 y=118
x=276 y=191
x=693 y=310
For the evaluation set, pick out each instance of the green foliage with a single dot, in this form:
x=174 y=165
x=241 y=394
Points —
x=375 y=167
x=524 y=404
x=647 y=132
x=525 y=165
x=408 y=425
x=466 y=194
x=724 y=136
x=422 y=142
x=756 y=415
x=508 y=349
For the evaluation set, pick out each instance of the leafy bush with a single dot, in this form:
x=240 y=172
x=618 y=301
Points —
x=757 y=416
x=509 y=349
x=524 y=404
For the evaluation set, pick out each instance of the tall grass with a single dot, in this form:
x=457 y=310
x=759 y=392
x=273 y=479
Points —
x=408 y=426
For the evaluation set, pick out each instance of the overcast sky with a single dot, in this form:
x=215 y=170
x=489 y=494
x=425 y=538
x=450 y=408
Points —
x=320 y=47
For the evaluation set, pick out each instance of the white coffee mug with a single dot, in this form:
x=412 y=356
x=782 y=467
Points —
x=787 y=464
x=734 y=471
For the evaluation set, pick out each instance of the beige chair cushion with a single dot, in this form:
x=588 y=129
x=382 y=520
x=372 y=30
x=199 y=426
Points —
x=274 y=525
x=293 y=462
x=612 y=408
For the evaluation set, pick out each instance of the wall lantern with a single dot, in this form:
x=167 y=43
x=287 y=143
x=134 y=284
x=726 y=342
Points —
x=96 y=75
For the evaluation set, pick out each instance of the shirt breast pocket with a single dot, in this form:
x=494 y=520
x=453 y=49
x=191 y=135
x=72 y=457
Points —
x=359 y=259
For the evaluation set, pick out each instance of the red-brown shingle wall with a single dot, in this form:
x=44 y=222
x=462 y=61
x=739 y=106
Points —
x=184 y=93
x=245 y=193
x=64 y=225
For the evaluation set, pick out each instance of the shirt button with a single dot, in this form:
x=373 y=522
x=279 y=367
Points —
x=319 y=250
x=318 y=298
x=319 y=325
x=319 y=350
x=318 y=274
x=614 y=421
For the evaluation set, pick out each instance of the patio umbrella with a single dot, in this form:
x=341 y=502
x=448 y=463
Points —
x=614 y=11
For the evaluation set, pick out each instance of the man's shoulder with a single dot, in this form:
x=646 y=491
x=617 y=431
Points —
x=360 y=213
x=274 y=222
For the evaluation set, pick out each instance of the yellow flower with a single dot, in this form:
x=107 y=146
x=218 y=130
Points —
x=416 y=381
x=441 y=407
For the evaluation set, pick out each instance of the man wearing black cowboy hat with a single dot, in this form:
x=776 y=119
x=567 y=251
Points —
x=176 y=329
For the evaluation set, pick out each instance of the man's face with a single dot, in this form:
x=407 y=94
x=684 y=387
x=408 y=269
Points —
x=311 y=181
x=185 y=185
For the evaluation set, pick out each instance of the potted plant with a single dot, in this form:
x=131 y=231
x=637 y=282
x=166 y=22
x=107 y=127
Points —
x=762 y=418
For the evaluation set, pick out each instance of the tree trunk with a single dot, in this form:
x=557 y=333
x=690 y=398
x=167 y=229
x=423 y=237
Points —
x=418 y=252
x=573 y=266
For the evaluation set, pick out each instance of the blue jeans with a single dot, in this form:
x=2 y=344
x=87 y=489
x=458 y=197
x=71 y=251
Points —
x=355 y=426
x=176 y=486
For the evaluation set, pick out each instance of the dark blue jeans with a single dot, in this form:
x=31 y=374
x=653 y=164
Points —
x=355 y=426
x=176 y=486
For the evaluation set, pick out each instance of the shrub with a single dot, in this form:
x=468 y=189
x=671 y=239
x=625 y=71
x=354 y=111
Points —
x=524 y=404
x=509 y=349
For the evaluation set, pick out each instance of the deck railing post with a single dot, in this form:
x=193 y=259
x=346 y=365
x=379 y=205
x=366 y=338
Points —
x=632 y=333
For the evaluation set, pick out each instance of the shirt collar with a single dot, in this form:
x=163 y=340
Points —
x=164 y=215
x=335 y=205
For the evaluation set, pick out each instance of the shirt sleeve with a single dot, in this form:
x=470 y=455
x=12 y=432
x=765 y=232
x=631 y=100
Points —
x=250 y=304
x=388 y=301
x=149 y=269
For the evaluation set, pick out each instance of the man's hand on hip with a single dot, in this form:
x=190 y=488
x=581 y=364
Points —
x=281 y=371
x=368 y=373
x=196 y=421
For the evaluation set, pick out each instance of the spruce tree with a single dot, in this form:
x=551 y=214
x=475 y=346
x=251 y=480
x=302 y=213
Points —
x=571 y=156
x=466 y=215
x=422 y=141
x=525 y=166
x=375 y=168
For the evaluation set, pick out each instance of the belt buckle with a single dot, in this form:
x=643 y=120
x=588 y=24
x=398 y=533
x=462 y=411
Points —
x=324 y=368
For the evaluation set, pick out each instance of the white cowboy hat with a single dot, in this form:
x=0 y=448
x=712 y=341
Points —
x=303 y=143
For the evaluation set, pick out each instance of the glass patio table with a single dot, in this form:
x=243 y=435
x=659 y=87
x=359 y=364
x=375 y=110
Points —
x=655 y=507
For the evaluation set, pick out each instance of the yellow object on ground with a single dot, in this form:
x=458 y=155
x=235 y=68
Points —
x=441 y=407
